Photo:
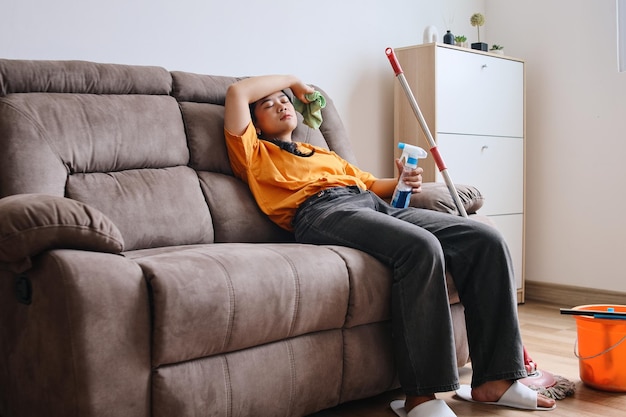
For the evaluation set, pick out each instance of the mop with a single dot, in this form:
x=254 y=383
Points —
x=434 y=151
x=546 y=383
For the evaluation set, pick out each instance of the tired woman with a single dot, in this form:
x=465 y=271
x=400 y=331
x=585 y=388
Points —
x=325 y=200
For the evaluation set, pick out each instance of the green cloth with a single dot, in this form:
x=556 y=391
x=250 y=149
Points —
x=311 y=111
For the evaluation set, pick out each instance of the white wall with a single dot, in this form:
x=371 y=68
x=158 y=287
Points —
x=621 y=21
x=576 y=131
x=338 y=45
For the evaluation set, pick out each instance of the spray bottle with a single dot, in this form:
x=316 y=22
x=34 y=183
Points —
x=410 y=155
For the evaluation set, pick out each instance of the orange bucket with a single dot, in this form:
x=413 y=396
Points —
x=602 y=349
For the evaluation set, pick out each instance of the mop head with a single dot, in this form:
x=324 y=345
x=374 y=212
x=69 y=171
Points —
x=550 y=385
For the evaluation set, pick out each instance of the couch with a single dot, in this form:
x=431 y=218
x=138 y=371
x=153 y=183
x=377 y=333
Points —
x=139 y=278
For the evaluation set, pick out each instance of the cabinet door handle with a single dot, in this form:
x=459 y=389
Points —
x=484 y=148
x=484 y=66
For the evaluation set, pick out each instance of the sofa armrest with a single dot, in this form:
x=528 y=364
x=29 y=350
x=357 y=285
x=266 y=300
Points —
x=435 y=196
x=33 y=223
x=81 y=347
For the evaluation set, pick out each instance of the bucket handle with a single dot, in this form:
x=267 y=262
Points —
x=584 y=358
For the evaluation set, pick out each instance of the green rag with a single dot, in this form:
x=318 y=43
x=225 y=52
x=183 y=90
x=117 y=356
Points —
x=311 y=111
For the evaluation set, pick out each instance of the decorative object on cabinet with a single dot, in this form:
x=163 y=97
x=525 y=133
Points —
x=478 y=20
x=481 y=46
x=485 y=139
x=431 y=34
x=461 y=41
x=448 y=38
x=497 y=49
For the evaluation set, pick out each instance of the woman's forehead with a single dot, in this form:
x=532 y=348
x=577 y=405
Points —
x=273 y=96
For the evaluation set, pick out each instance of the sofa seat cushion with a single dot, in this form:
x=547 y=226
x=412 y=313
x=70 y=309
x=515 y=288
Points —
x=370 y=287
x=217 y=298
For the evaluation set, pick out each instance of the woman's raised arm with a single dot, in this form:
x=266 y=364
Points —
x=248 y=90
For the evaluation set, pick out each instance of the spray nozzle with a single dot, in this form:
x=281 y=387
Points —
x=411 y=153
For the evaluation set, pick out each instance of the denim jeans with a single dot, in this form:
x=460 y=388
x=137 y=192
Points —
x=419 y=246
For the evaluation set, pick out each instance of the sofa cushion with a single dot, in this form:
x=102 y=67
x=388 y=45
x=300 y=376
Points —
x=204 y=125
x=32 y=76
x=436 y=196
x=291 y=377
x=151 y=207
x=33 y=223
x=236 y=215
x=370 y=287
x=252 y=293
x=89 y=133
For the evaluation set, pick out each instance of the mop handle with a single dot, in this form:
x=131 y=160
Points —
x=395 y=64
x=598 y=314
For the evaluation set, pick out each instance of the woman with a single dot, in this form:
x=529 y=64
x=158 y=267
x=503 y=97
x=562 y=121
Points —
x=325 y=200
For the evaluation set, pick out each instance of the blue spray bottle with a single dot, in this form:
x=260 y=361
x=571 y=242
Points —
x=410 y=155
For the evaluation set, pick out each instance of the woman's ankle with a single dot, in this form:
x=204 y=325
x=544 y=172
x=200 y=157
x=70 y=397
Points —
x=490 y=391
x=413 y=401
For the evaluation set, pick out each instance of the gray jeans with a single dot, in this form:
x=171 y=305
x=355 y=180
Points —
x=419 y=245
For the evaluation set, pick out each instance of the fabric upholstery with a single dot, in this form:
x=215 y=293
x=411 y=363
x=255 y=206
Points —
x=24 y=76
x=82 y=347
x=436 y=196
x=159 y=288
x=34 y=223
x=311 y=361
x=298 y=295
x=145 y=203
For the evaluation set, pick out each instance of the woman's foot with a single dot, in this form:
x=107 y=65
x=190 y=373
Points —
x=492 y=391
x=413 y=401
x=426 y=405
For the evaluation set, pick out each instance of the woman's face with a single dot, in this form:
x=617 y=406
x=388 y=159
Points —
x=275 y=116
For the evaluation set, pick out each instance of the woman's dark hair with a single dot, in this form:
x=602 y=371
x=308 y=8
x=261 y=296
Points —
x=290 y=147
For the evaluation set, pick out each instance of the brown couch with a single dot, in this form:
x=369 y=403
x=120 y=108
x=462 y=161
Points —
x=139 y=278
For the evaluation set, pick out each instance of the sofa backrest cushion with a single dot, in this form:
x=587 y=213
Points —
x=109 y=136
x=143 y=145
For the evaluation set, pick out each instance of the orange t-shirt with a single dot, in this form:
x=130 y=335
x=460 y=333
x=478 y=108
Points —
x=281 y=181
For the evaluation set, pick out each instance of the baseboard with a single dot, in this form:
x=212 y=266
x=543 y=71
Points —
x=570 y=296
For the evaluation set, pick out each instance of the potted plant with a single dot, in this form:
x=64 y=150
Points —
x=460 y=41
x=497 y=49
x=478 y=20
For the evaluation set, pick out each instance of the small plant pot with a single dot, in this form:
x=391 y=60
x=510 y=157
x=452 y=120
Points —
x=497 y=51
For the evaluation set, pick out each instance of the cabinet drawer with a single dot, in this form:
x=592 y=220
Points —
x=479 y=94
x=495 y=165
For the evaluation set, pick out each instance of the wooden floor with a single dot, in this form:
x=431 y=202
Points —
x=549 y=338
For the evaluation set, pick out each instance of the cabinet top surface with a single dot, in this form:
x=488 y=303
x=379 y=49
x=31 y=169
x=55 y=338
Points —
x=458 y=48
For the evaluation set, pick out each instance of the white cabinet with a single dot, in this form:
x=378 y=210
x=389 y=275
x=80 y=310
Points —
x=474 y=105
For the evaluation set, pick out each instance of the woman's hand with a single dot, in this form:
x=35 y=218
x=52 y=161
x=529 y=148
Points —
x=413 y=177
x=301 y=89
x=383 y=187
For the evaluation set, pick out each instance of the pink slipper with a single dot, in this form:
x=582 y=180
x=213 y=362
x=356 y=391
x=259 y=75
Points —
x=517 y=396
x=432 y=408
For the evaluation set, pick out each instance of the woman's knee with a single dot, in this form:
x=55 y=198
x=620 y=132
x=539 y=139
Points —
x=423 y=248
x=490 y=234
